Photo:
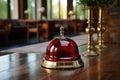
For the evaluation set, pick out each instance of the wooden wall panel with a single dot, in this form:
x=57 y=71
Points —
x=22 y=6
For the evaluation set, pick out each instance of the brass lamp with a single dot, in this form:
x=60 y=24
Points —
x=101 y=29
x=90 y=30
x=62 y=53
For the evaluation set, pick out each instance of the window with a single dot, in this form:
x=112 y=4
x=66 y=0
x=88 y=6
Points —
x=14 y=9
x=38 y=6
x=7 y=11
x=80 y=11
x=3 y=9
x=31 y=9
x=63 y=9
x=57 y=9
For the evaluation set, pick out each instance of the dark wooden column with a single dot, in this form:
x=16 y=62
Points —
x=69 y=5
x=44 y=4
x=22 y=6
x=118 y=3
x=8 y=9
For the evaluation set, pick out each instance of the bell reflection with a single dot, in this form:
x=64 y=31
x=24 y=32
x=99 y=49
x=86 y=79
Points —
x=62 y=53
x=62 y=74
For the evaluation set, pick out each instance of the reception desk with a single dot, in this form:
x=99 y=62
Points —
x=27 y=66
x=23 y=65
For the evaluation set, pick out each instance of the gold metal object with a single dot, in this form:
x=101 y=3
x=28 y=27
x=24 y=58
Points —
x=61 y=32
x=101 y=29
x=90 y=30
x=62 y=64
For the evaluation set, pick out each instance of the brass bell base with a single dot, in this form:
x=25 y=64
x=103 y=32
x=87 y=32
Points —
x=101 y=46
x=90 y=53
x=62 y=64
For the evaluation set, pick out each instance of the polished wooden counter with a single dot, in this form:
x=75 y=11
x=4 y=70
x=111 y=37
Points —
x=27 y=66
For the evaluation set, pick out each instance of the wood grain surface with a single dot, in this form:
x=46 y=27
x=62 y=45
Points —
x=27 y=66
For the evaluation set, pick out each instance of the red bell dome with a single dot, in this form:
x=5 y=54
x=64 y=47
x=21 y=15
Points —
x=62 y=53
x=62 y=49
